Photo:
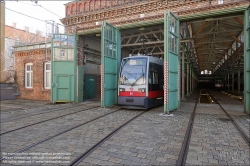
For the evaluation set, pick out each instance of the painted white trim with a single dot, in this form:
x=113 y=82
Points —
x=46 y=71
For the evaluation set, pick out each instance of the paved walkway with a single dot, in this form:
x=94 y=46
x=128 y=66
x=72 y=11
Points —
x=150 y=139
x=215 y=140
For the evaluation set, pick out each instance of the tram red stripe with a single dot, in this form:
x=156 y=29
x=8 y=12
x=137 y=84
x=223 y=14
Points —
x=155 y=94
x=133 y=93
x=151 y=94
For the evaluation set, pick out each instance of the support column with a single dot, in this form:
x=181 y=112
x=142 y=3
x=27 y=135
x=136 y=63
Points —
x=232 y=80
x=225 y=80
x=228 y=80
x=183 y=73
x=187 y=76
x=238 y=76
x=190 y=83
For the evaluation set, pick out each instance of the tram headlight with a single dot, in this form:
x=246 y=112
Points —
x=143 y=90
x=121 y=89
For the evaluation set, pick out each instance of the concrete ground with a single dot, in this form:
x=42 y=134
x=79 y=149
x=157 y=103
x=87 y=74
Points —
x=150 y=139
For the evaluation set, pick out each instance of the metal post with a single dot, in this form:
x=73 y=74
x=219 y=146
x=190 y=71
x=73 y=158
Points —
x=190 y=84
x=52 y=29
x=187 y=76
x=228 y=79
x=232 y=80
x=183 y=72
x=225 y=80
x=193 y=80
x=238 y=76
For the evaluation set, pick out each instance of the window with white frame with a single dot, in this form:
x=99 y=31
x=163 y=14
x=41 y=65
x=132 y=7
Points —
x=47 y=75
x=220 y=1
x=28 y=75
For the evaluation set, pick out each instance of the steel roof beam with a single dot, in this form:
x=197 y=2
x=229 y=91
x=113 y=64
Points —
x=239 y=20
x=139 y=44
x=200 y=29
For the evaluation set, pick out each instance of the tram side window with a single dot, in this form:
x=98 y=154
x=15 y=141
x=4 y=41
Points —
x=155 y=77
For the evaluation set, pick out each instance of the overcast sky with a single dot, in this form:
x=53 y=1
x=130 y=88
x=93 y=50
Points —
x=43 y=10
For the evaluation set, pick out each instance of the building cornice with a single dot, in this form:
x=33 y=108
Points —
x=152 y=10
x=41 y=51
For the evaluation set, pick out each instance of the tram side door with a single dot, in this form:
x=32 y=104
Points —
x=110 y=62
x=171 y=62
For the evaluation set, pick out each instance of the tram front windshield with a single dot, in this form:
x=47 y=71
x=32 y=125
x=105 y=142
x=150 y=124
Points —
x=133 y=71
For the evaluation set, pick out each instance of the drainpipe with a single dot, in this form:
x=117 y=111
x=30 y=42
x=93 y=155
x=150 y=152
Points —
x=183 y=72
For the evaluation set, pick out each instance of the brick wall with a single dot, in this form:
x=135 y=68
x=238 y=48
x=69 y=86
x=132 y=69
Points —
x=38 y=58
x=79 y=7
x=152 y=10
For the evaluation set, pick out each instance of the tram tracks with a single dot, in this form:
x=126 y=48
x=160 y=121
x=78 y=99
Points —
x=44 y=112
x=119 y=123
x=185 y=146
x=184 y=149
x=46 y=120
x=57 y=134
x=242 y=133
x=79 y=159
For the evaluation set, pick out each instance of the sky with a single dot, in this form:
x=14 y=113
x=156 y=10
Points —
x=43 y=10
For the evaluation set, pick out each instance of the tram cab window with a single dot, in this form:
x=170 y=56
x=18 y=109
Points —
x=155 y=77
x=133 y=72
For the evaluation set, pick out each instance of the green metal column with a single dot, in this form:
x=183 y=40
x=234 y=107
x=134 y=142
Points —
x=79 y=86
x=238 y=76
x=247 y=60
x=190 y=83
x=183 y=72
x=187 y=76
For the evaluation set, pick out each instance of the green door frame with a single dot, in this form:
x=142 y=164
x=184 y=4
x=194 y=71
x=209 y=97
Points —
x=110 y=62
x=247 y=61
x=171 y=62
x=63 y=64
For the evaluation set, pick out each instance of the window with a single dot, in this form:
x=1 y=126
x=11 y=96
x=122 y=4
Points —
x=47 y=75
x=220 y=1
x=155 y=76
x=29 y=75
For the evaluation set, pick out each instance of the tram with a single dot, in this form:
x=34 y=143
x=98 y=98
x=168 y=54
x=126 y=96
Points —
x=141 y=82
x=219 y=84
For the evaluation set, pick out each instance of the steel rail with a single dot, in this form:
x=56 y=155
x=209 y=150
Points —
x=45 y=121
x=90 y=150
x=54 y=109
x=62 y=132
x=185 y=145
x=242 y=133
